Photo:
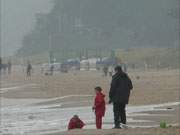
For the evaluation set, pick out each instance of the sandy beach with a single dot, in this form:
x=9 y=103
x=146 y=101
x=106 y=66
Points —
x=75 y=89
x=135 y=131
x=149 y=87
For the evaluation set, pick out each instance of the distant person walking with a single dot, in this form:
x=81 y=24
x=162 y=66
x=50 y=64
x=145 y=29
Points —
x=51 y=69
x=9 y=65
x=29 y=69
x=99 y=106
x=119 y=93
x=105 y=70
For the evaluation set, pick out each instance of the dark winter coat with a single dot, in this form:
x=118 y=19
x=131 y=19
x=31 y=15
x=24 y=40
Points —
x=121 y=86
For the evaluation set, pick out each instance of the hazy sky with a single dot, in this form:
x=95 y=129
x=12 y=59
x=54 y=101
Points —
x=17 y=18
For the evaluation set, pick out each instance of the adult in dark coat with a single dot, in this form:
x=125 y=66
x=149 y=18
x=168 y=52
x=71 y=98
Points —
x=119 y=93
x=29 y=68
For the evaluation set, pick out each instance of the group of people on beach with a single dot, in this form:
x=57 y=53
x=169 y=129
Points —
x=5 y=66
x=8 y=67
x=119 y=93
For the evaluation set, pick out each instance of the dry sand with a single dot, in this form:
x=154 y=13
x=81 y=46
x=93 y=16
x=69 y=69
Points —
x=151 y=87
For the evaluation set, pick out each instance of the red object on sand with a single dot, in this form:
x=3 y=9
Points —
x=75 y=123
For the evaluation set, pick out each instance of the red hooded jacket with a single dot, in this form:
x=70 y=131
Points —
x=99 y=104
x=75 y=122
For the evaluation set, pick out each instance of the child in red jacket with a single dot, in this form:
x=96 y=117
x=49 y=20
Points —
x=99 y=107
x=75 y=123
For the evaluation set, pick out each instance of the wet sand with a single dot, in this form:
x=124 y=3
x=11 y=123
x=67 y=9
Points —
x=130 y=131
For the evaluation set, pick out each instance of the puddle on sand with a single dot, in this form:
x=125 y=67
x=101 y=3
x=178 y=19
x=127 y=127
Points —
x=25 y=119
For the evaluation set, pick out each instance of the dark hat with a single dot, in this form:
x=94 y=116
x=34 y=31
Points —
x=118 y=69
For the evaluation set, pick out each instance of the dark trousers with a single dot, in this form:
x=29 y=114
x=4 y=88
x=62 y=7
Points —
x=119 y=114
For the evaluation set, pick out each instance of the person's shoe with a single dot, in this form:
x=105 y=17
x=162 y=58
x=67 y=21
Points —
x=124 y=125
x=118 y=127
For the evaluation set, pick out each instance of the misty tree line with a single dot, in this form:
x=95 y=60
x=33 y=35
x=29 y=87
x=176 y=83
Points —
x=101 y=25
